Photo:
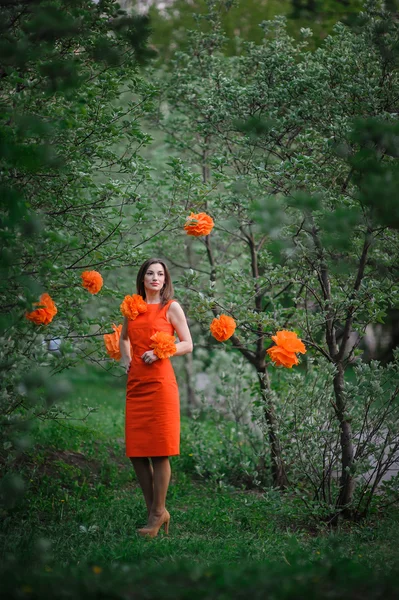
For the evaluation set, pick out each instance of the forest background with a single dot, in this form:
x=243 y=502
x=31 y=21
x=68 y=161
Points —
x=114 y=127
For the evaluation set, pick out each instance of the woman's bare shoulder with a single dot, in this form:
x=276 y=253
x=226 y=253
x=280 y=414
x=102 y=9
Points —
x=175 y=311
x=174 y=306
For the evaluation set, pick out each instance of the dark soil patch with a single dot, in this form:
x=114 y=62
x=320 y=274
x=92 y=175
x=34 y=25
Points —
x=50 y=462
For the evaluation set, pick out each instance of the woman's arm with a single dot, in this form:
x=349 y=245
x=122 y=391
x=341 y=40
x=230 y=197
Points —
x=124 y=346
x=178 y=320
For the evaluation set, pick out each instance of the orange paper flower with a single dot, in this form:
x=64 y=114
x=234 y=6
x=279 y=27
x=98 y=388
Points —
x=222 y=327
x=92 y=281
x=200 y=224
x=164 y=344
x=282 y=358
x=132 y=306
x=111 y=341
x=287 y=345
x=45 y=314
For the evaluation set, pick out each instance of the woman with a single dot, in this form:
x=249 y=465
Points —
x=152 y=426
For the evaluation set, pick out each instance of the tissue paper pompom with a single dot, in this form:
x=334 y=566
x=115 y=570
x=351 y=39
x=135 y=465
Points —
x=282 y=358
x=92 y=281
x=222 y=327
x=45 y=314
x=199 y=224
x=164 y=344
x=111 y=341
x=284 y=353
x=289 y=341
x=132 y=306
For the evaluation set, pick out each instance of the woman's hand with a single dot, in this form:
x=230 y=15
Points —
x=126 y=365
x=149 y=357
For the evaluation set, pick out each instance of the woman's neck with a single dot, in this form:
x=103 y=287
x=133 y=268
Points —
x=152 y=297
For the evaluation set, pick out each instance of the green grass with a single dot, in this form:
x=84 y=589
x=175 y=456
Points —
x=75 y=526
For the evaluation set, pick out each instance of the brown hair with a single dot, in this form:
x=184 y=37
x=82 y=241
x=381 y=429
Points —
x=167 y=289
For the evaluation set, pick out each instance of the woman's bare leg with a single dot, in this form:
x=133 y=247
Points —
x=162 y=473
x=145 y=475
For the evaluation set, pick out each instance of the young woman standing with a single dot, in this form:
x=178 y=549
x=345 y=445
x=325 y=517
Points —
x=152 y=419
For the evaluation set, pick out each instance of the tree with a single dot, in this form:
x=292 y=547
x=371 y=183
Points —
x=71 y=94
x=270 y=137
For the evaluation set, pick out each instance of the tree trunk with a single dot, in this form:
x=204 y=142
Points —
x=347 y=481
x=278 y=468
x=337 y=354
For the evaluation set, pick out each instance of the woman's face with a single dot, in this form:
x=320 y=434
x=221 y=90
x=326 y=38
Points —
x=154 y=278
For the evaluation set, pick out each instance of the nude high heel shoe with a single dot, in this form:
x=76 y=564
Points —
x=154 y=530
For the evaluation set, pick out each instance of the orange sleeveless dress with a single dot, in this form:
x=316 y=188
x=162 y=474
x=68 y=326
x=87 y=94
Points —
x=152 y=417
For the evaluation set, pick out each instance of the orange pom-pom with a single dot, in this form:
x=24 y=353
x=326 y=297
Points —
x=282 y=358
x=164 y=344
x=92 y=281
x=199 y=224
x=289 y=341
x=222 y=327
x=132 y=306
x=45 y=314
x=111 y=341
x=287 y=344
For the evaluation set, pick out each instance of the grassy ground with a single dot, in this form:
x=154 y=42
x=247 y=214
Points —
x=75 y=527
